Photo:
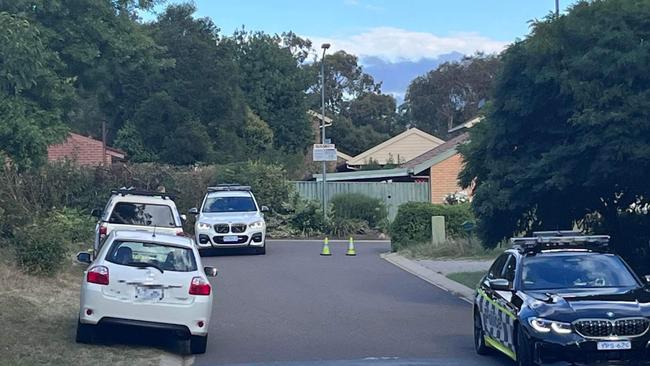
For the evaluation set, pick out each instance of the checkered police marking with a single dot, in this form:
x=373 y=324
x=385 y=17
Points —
x=498 y=322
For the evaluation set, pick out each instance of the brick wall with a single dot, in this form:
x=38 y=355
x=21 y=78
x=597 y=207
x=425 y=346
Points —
x=81 y=149
x=444 y=178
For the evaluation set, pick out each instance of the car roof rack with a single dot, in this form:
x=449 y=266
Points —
x=229 y=187
x=567 y=240
x=138 y=192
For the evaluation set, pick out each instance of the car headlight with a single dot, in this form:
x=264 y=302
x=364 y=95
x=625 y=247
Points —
x=257 y=225
x=545 y=326
x=205 y=226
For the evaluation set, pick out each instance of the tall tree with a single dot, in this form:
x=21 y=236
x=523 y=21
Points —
x=451 y=94
x=32 y=95
x=567 y=136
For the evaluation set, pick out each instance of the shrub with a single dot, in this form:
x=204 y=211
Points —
x=356 y=206
x=42 y=246
x=412 y=225
x=307 y=219
x=342 y=228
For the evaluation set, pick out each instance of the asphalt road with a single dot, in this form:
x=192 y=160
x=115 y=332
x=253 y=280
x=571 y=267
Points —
x=293 y=306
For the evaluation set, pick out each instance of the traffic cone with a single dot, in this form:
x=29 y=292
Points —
x=351 y=250
x=326 y=247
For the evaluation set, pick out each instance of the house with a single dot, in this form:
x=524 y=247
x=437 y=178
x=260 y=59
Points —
x=84 y=151
x=396 y=150
x=438 y=167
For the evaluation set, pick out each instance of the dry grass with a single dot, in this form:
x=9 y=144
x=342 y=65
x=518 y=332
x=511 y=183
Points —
x=38 y=316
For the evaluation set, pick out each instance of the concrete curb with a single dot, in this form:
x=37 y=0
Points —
x=434 y=278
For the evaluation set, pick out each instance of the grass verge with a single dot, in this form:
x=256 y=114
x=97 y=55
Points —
x=38 y=316
x=451 y=249
x=469 y=279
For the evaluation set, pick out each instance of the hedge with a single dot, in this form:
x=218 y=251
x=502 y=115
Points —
x=357 y=206
x=412 y=225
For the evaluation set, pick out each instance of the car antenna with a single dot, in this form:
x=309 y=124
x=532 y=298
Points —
x=154 y=231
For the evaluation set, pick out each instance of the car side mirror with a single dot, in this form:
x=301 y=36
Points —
x=265 y=209
x=193 y=211
x=499 y=284
x=184 y=217
x=211 y=271
x=96 y=212
x=84 y=257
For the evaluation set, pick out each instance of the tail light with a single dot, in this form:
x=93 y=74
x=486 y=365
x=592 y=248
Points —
x=199 y=286
x=103 y=230
x=98 y=275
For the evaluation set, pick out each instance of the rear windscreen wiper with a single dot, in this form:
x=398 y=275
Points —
x=146 y=265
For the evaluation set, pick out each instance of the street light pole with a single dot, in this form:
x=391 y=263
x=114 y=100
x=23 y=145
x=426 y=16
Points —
x=557 y=8
x=324 y=46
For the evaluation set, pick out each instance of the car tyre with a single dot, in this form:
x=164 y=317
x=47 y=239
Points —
x=85 y=333
x=479 y=336
x=524 y=349
x=198 y=344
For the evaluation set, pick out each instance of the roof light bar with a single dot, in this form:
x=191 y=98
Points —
x=228 y=187
x=541 y=242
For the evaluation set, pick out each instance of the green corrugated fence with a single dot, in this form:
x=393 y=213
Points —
x=392 y=194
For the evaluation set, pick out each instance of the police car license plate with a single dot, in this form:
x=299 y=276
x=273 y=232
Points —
x=614 y=346
x=230 y=238
x=148 y=294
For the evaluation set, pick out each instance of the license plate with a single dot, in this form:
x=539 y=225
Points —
x=230 y=238
x=148 y=294
x=614 y=346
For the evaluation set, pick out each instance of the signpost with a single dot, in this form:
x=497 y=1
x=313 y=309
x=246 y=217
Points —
x=324 y=152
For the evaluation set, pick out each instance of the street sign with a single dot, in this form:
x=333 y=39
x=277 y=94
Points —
x=324 y=152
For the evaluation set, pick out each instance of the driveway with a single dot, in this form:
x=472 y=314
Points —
x=293 y=305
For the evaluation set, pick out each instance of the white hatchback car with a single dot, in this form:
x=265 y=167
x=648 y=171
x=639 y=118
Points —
x=130 y=209
x=230 y=218
x=147 y=280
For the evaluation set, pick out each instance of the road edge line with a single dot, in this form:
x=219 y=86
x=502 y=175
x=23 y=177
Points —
x=463 y=292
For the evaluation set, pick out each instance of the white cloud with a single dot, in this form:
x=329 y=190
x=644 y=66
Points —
x=395 y=44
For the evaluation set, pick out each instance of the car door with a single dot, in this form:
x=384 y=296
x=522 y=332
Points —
x=496 y=311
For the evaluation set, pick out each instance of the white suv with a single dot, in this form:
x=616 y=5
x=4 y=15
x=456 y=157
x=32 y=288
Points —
x=230 y=217
x=146 y=280
x=130 y=209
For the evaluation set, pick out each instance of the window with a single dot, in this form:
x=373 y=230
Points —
x=229 y=204
x=545 y=272
x=511 y=269
x=128 y=213
x=496 y=270
x=140 y=254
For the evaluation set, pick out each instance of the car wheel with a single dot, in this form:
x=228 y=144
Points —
x=85 y=333
x=524 y=349
x=198 y=344
x=479 y=335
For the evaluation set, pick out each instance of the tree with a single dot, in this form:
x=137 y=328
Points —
x=451 y=94
x=32 y=95
x=274 y=84
x=566 y=139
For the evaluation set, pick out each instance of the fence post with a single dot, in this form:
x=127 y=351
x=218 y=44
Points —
x=438 y=235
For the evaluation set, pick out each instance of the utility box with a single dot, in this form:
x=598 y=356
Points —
x=438 y=235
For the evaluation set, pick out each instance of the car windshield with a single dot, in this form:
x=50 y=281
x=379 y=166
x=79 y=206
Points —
x=128 y=213
x=160 y=256
x=545 y=272
x=229 y=204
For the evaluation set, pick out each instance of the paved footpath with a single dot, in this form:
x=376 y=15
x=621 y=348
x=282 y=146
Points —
x=294 y=307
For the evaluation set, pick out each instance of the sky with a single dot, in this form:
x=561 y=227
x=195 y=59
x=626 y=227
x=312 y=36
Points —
x=396 y=36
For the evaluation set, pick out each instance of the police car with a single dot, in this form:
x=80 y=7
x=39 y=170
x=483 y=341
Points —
x=562 y=297
x=230 y=218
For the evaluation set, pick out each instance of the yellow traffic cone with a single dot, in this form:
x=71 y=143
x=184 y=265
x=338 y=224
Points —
x=351 y=250
x=326 y=247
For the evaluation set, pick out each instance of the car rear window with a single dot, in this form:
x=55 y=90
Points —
x=156 y=255
x=545 y=272
x=229 y=204
x=143 y=214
